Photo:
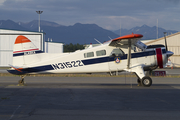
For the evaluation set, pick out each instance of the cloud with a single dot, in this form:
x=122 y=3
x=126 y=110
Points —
x=2 y=2
x=105 y=13
x=170 y=1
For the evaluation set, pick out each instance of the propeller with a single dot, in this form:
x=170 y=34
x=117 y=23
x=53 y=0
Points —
x=165 y=41
x=168 y=53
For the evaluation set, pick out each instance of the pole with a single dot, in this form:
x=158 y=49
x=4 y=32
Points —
x=39 y=12
x=39 y=23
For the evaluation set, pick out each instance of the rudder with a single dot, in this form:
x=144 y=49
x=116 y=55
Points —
x=24 y=52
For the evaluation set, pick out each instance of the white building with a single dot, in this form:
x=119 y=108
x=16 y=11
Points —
x=7 y=39
x=53 y=47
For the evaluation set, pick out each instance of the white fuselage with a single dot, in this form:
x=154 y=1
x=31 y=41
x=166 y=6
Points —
x=91 y=60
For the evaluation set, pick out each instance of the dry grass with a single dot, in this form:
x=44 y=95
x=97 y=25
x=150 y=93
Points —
x=85 y=75
x=6 y=74
x=4 y=68
x=81 y=75
x=70 y=75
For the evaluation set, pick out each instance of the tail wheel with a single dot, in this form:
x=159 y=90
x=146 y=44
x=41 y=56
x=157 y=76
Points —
x=146 y=81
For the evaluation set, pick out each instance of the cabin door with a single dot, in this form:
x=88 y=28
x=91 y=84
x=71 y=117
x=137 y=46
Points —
x=116 y=60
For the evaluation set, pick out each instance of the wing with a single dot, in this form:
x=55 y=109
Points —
x=123 y=40
x=129 y=40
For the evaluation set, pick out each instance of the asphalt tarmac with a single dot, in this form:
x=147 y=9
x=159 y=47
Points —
x=89 y=98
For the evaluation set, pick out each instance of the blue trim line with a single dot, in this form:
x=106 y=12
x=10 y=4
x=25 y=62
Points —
x=163 y=51
x=31 y=70
x=20 y=54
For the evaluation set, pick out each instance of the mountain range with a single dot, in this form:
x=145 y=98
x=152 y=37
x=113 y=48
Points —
x=147 y=32
x=81 y=33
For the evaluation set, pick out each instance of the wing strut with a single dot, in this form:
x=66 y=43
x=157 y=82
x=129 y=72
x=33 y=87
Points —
x=129 y=53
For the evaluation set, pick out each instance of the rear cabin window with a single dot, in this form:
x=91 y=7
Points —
x=89 y=54
x=101 y=53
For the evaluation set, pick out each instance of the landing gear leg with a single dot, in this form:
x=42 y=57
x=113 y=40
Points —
x=143 y=80
x=139 y=82
x=21 y=82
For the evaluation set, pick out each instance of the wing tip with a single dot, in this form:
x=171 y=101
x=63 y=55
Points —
x=129 y=36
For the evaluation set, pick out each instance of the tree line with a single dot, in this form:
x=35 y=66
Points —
x=72 y=47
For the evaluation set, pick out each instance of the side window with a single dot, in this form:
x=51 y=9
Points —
x=101 y=53
x=117 y=52
x=89 y=54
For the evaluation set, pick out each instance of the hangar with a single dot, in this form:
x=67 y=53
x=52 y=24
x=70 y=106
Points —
x=173 y=43
x=7 y=39
x=53 y=47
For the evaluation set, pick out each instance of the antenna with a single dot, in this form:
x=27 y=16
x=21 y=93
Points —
x=110 y=38
x=97 y=41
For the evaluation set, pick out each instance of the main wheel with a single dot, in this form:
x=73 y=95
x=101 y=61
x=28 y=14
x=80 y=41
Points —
x=146 y=81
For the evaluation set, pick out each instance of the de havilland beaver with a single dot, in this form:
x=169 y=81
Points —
x=125 y=53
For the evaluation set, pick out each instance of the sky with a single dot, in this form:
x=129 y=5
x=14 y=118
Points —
x=109 y=14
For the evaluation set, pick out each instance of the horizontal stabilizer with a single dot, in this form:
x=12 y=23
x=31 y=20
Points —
x=16 y=68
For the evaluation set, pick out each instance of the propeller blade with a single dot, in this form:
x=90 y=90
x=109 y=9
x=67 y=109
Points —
x=165 y=41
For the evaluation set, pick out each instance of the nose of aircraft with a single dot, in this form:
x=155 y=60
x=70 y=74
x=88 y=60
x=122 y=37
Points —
x=169 y=53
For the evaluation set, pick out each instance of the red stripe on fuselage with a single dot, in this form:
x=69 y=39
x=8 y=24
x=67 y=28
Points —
x=25 y=50
x=159 y=57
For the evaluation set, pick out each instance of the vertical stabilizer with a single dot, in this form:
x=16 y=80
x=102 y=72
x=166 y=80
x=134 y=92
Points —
x=24 y=52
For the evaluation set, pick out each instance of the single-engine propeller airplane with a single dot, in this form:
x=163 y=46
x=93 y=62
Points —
x=125 y=53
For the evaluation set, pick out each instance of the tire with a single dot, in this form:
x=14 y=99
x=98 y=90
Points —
x=146 y=81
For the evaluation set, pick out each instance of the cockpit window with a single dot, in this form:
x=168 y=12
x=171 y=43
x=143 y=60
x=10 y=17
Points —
x=117 y=52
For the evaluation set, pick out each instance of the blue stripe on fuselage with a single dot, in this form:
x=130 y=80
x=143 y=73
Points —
x=109 y=59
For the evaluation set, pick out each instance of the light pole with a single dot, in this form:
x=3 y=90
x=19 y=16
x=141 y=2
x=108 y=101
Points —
x=39 y=12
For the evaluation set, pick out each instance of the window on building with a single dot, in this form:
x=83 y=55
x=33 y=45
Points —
x=89 y=54
x=100 y=52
